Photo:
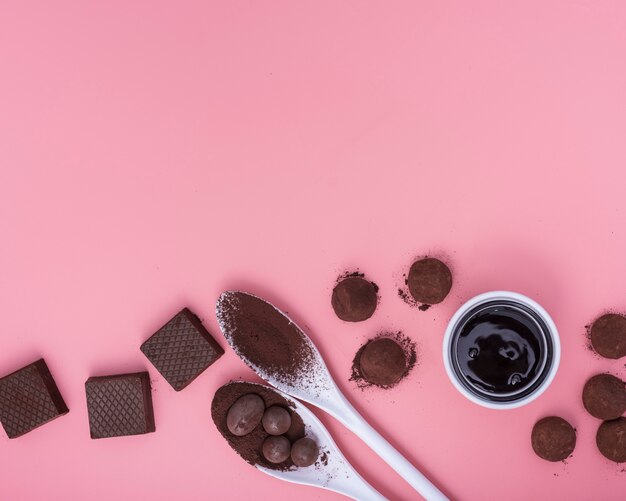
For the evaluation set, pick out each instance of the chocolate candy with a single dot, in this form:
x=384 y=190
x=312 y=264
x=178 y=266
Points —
x=119 y=405
x=304 y=452
x=611 y=439
x=29 y=398
x=608 y=336
x=354 y=299
x=604 y=396
x=276 y=420
x=429 y=281
x=182 y=349
x=276 y=449
x=245 y=414
x=383 y=362
x=553 y=438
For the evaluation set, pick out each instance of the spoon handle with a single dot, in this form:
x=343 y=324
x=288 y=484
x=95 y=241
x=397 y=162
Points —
x=351 y=419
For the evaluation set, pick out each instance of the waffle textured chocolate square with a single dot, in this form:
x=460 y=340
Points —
x=119 y=405
x=29 y=398
x=182 y=349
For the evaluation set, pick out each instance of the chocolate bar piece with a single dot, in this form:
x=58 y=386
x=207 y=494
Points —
x=29 y=398
x=119 y=405
x=182 y=349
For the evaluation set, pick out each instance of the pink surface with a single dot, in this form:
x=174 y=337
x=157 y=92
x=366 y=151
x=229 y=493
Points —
x=156 y=153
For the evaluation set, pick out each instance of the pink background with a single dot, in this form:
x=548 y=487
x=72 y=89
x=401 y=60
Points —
x=156 y=153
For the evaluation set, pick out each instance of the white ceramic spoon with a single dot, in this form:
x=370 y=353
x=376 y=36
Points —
x=336 y=473
x=317 y=387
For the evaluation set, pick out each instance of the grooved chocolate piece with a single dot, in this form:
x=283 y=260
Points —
x=182 y=349
x=29 y=398
x=119 y=405
x=553 y=438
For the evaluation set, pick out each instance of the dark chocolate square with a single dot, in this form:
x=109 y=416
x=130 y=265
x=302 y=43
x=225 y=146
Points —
x=29 y=398
x=119 y=405
x=182 y=349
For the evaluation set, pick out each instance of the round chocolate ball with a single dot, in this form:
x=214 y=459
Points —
x=354 y=299
x=608 y=336
x=553 y=438
x=611 y=439
x=304 y=452
x=276 y=420
x=604 y=396
x=382 y=362
x=276 y=449
x=245 y=414
x=429 y=280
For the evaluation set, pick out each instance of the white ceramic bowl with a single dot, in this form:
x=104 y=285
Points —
x=509 y=297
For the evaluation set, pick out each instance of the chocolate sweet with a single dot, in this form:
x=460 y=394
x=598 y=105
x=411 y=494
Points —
x=354 y=299
x=608 y=335
x=611 y=439
x=553 y=438
x=429 y=281
x=182 y=349
x=119 y=405
x=276 y=420
x=29 y=398
x=304 y=452
x=604 y=396
x=276 y=449
x=245 y=414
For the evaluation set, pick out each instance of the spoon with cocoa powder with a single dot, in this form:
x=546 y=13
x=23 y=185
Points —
x=272 y=345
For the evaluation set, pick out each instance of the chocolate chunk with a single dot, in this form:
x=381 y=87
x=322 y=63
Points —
x=276 y=449
x=304 y=452
x=383 y=362
x=119 y=405
x=608 y=336
x=553 y=438
x=182 y=349
x=429 y=281
x=276 y=420
x=611 y=439
x=354 y=299
x=29 y=398
x=245 y=414
x=604 y=396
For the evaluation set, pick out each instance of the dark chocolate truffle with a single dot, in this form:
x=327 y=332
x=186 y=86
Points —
x=245 y=414
x=604 y=396
x=304 y=452
x=276 y=420
x=611 y=439
x=429 y=281
x=354 y=299
x=608 y=336
x=553 y=438
x=276 y=449
x=383 y=362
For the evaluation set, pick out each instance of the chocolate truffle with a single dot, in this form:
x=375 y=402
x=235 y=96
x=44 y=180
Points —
x=245 y=414
x=383 y=362
x=276 y=449
x=608 y=336
x=276 y=420
x=611 y=439
x=354 y=299
x=304 y=452
x=553 y=438
x=604 y=396
x=429 y=281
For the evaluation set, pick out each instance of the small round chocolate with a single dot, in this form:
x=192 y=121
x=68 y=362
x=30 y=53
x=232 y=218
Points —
x=245 y=414
x=608 y=336
x=354 y=299
x=604 y=397
x=429 y=280
x=553 y=438
x=383 y=362
x=276 y=420
x=304 y=452
x=611 y=439
x=276 y=449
